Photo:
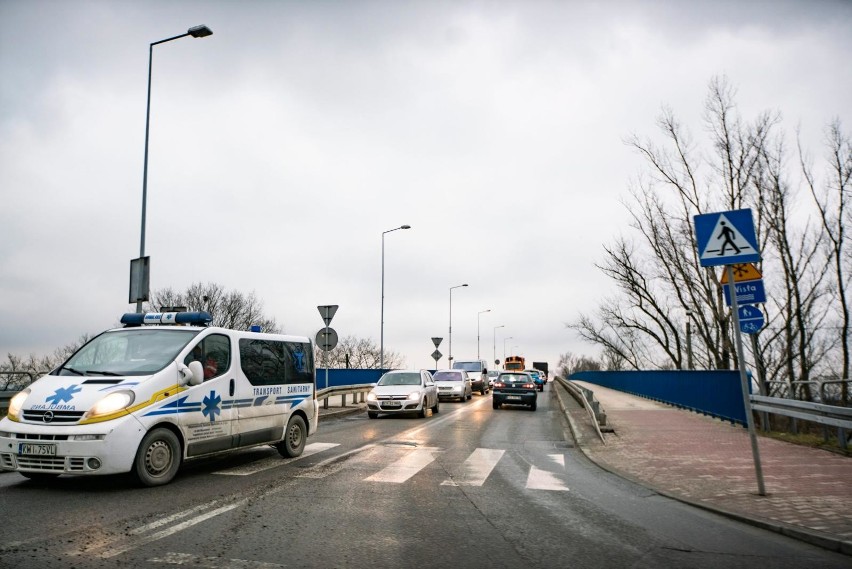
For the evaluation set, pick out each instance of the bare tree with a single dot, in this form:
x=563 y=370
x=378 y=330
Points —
x=229 y=309
x=13 y=369
x=835 y=215
x=658 y=271
x=358 y=353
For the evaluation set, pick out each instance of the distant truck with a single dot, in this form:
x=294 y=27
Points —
x=542 y=367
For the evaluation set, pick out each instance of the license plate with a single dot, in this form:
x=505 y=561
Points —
x=391 y=404
x=36 y=449
x=514 y=397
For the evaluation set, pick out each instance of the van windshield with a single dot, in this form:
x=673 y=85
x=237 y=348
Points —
x=468 y=366
x=131 y=351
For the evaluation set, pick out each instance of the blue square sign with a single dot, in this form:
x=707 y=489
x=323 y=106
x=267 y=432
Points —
x=726 y=238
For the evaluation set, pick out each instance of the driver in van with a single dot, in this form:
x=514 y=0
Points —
x=210 y=365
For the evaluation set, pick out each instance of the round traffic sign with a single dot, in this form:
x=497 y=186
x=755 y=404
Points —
x=751 y=319
x=327 y=339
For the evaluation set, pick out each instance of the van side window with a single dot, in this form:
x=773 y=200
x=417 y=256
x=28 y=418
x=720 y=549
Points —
x=268 y=362
x=214 y=353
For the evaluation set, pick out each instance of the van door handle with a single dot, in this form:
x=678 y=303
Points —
x=231 y=390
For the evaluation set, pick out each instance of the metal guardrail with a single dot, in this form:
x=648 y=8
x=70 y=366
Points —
x=831 y=415
x=592 y=405
x=343 y=391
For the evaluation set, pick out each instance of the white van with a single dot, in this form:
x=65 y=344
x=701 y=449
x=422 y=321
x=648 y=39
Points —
x=478 y=372
x=164 y=388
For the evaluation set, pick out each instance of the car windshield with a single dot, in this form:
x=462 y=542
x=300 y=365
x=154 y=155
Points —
x=447 y=376
x=131 y=351
x=468 y=366
x=514 y=377
x=404 y=378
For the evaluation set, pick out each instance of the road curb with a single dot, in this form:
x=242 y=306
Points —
x=802 y=534
x=340 y=412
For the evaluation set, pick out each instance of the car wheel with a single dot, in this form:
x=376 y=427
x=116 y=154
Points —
x=437 y=405
x=422 y=412
x=533 y=405
x=295 y=437
x=495 y=404
x=372 y=414
x=158 y=458
x=470 y=395
x=40 y=476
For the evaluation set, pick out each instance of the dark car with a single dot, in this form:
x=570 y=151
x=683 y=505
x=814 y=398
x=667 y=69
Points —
x=514 y=388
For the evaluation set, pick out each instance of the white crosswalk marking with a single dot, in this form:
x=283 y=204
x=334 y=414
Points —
x=558 y=459
x=539 y=479
x=275 y=461
x=406 y=467
x=476 y=468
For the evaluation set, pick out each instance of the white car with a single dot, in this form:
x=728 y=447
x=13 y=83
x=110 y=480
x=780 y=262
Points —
x=453 y=384
x=403 y=391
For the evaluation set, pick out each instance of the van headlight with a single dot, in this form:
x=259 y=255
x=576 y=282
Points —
x=16 y=403
x=110 y=404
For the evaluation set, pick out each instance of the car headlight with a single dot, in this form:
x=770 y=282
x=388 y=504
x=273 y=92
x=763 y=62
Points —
x=414 y=396
x=371 y=396
x=110 y=404
x=16 y=403
x=457 y=388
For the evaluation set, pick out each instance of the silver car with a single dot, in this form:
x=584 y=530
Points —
x=453 y=384
x=403 y=391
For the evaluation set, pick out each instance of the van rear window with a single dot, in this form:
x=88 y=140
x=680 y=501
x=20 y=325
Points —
x=270 y=362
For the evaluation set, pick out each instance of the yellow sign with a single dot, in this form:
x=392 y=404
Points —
x=742 y=272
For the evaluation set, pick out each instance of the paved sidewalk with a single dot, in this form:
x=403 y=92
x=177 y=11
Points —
x=708 y=462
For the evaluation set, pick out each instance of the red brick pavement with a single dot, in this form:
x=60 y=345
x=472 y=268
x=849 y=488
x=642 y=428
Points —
x=709 y=462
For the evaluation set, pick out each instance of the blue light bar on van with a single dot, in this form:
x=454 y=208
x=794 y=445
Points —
x=167 y=318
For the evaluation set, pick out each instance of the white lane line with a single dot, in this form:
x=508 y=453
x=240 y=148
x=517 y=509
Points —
x=133 y=544
x=212 y=562
x=477 y=468
x=275 y=461
x=169 y=519
x=328 y=466
x=543 y=480
x=558 y=459
x=404 y=468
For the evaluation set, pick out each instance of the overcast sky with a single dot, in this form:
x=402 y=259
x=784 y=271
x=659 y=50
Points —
x=283 y=145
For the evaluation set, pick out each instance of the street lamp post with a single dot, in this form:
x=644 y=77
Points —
x=450 y=356
x=196 y=32
x=494 y=344
x=504 y=348
x=478 y=314
x=382 y=334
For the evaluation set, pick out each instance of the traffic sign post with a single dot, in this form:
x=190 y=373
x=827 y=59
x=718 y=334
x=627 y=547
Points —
x=728 y=238
x=436 y=355
x=327 y=337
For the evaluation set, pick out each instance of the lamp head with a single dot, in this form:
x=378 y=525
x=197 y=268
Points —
x=200 y=31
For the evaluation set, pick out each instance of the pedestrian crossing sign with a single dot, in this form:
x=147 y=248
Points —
x=726 y=238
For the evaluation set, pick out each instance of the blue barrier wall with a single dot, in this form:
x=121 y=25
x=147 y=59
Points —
x=717 y=392
x=340 y=377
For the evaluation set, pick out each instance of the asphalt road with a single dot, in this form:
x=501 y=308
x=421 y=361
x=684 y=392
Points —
x=468 y=487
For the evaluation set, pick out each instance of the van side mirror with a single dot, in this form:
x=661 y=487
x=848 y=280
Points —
x=197 y=377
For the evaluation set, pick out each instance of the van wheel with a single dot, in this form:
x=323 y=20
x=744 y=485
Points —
x=40 y=476
x=294 y=438
x=158 y=458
